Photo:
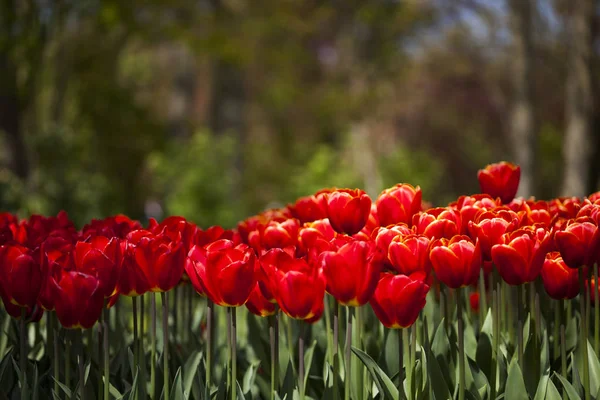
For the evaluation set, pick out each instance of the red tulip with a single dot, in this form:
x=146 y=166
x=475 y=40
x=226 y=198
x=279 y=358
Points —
x=399 y=299
x=100 y=257
x=275 y=234
x=398 y=204
x=560 y=281
x=500 y=180
x=177 y=229
x=409 y=254
x=117 y=226
x=270 y=262
x=212 y=234
x=520 y=258
x=564 y=207
x=36 y=229
x=20 y=275
x=245 y=227
x=311 y=208
x=470 y=206
x=79 y=300
x=489 y=227
x=300 y=291
x=258 y=305
x=437 y=223
x=161 y=260
x=457 y=261
x=226 y=273
x=132 y=280
x=351 y=273
x=474 y=301
x=579 y=243
x=348 y=210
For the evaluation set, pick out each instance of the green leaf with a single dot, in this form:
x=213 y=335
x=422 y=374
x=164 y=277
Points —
x=250 y=377
x=515 y=385
x=571 y=392
x=308 y=356
x=189 y=372
x=4 y=333
x=594 y=369
x=177 y=388
x=133 y=392
x=552 y=392
x=540 y=393
x=240 y=393
x=437 y=381
x=64 y=388
x=383 y=382
x=289 y=382
x=485 y=353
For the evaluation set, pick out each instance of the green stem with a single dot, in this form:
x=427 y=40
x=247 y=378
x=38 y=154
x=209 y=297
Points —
x=23 y=355
x=80 y=364
x=401 y=334
x=136 y=361
x=274 y=341
x=152 y=345
x=328 y=329
x=336 y=359
x=233 y=352
x=175 y=293
x=348 y=358
x=461 y=345
x=210 y=309
x=290 y=342
x=482 y=298
x=67 y=358
x=563 y=345
x=50 y=335
x=141 y=348
x=106 y=356
x=596 y=311
x=408 y=362
x=301 y=360
x=556 y=329
x=357 y=335
x=413 y=357
x=190 y=311
x=520 y=325
x=584 y=335
x=56 y=360
x=229 y=357
x=165 y=329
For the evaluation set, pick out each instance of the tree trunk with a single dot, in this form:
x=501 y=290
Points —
x=522 y=123
x=578 y=145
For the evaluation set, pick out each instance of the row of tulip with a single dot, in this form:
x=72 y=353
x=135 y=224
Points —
x=387 y=253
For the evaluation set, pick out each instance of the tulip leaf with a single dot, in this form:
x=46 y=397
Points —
x=64 y=388
x=133 y=392
x=308 y=356
x=540 y=393
x=594 y=366
x=189 y=372
x=531 y=364
x=4 y=334
x=552 y=392
x=484 y=354
x=289 y=382
x=250 y=376
x=569 y=389
x=383 y=382
x=177 y=388
x=240 y=392
x=515 y=385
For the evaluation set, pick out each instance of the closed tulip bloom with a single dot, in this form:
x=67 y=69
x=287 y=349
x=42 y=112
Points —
x=520 y=258
x=560 y=281
x=409 y=254
x=55 y=257
x=20 y=275
x=437 y=223
x=311 y=208
x=399 y=299
x=470 y=206
x=348 y=210
x=280 y=234
x=79 y=300
x=579 y=243
x=457 y=261
x=99 y=257
x=474 y=301
x=226 y=273
x=161 y=260
x=204 y=237
x=117 y=226
x=257 y=304
x=314 y=233
x=398 y=204
x=352 y=272
x=300 y=290
x=177 y=229
x=489 y=228
x=500 y=180
x=132 y=280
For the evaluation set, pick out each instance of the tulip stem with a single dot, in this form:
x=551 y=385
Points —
x=584 y=335
x=80 y=364
x=136 y=361
x=520 y=325
x=495 y=341
x=233 y=352
x=461 y=345
x=301 y=361
x=290 y=340
x=328 y=329
x=401 y=362
x=336 y=340
x=556 y=329
x=228 y=323
x=141 y=351
x=413 y=356
x=165 y=329
x=50 y=335
x=274 y=339
x=106 y=357
x=349 y=312
x=482 y=298
x=408 y=363
x=67 y=358
x=563 y=345
x=357 y=343
x=56 y=371
x=152 y=345
x=210 y=309
x=175 y=294
x=190 y=311
x=596 y=311
x=23 y=355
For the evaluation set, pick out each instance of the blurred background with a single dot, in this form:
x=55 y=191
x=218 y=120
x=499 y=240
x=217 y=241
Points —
x=218 y=109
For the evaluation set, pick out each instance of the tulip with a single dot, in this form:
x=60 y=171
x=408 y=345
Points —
x=489 y=227
x=470 y=206
x=311 y=208
x=399 y=299
x=456 y=261
x=474 y=301
x=117 y=226
x=560 y=281
x=500 y=180
x=212 y=234
x=257 y=304
x=351 y=273
x=520 y=257
x=161 y=260
x=409 y=254
x=56 y=257
x=398 y=204
x=20 y=275
x=79 y=300
x=132 y=280
x=579 y=243
x=437 y=223
x=177 y=229
x=226 y=273
x=100 y=257
x=348 y=210
x=275 y=234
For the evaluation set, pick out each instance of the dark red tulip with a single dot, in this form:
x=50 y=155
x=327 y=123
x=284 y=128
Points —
x=437 y=223
x=560 y=281
x=20 y=275
x=456 y=261
x=226 y=273
x=257 y=304
x=520 y=257
x=79 y=300
x=579 y=242
x=299 y=290
x=33 y=231
x=132 y=280
x=56 y=256
x=474 y=301
x=352 y=272
x=398 y=204
x=250 y=224
x=212 y=234
x=410 y=253
x=348 y=210
x=500 y=180
x=100 y=257
x=177 y=229
x=399 y=299
x=116 y=226
x=161 y=260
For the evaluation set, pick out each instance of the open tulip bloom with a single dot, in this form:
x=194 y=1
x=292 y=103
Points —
x=502 y=290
